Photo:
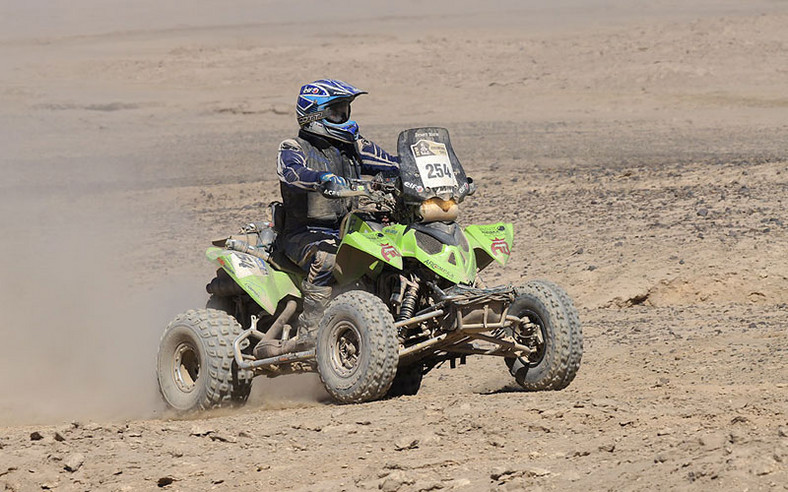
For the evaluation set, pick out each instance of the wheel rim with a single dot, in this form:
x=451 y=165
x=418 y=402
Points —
x=537 y=340
x=186 y=367
x=345 y=348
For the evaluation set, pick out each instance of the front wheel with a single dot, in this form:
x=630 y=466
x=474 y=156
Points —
x=551 y=325
x=357 y=348
x=196 y=367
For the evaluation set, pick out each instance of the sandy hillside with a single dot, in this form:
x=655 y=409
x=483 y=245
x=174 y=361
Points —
x=641 y=152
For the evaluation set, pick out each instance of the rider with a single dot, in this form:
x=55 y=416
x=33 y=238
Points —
x=328 y=151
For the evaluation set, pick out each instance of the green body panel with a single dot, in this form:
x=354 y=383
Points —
x=264 y=284
x=375 y=244
x=491 y=242
x=462 y=270
x=364 y=249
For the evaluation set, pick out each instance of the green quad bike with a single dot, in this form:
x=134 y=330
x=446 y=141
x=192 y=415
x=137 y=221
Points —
x=408 y=297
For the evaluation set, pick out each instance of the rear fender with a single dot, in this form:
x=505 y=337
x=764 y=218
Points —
x=361 y=252
x=491 y=242
x=257 y=278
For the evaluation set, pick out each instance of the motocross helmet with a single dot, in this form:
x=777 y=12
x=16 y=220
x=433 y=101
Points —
x=323 y=108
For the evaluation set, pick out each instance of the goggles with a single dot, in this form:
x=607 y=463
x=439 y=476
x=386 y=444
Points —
x=338 y=112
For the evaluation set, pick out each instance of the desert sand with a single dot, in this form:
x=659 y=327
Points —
x=639 y=148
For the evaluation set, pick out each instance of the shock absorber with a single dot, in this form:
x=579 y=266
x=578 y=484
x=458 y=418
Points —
x=408 y=306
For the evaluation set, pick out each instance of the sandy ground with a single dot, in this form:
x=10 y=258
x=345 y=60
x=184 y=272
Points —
x=641 y=152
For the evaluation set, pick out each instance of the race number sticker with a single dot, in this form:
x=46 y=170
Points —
x=247 y=265
x=434 y=165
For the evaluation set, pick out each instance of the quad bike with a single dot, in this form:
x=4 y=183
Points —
x=408 y=297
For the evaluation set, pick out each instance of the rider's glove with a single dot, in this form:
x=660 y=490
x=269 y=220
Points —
x=326 y=177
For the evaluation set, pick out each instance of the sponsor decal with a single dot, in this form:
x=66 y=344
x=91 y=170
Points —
x=388 y=252
x=426 y=134
x=245 y=265
x=500 y=246
x=435 y=266
x=224 y=264
x=413 y=186
x=309 y=118
x=488 y=230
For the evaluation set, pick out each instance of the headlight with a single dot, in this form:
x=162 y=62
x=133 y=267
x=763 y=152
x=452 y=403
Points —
x=436 y=209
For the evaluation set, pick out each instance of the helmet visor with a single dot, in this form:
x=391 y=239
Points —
x=338 y=112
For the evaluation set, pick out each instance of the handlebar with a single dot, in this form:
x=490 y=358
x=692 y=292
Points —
x=330 y=189
x=376 y=189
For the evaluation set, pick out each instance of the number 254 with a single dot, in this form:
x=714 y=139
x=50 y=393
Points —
x=438 y=170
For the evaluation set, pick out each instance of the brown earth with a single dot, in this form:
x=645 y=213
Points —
x=640 y=151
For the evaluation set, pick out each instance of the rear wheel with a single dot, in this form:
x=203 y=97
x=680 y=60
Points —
x=196 y=367
x=551 y=325
x=357 y=348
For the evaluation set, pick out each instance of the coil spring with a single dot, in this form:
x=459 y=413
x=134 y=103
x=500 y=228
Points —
x=408 y=306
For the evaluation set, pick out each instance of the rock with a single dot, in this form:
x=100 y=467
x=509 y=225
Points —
x=501 y=471
x=736 y=436
x=395 y=481
x=176 y=453
x=59 y=437
x=74 y=462
x=765 y=467
x=702 y=212
x=537 y=472
x=515 y=485
x=426 y=485
x=429 y=438
x=200 y=430
x=716 y=440
x=223 y=438
x=782 y=431
x=165 y=481
x=662 y=382
x=459 y=483
x=609 y=447
x=36 y=436
x=551 y=414
x=404 y=443
x=665 y=432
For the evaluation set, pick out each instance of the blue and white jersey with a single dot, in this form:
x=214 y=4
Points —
x=374 y=159
x=293 y=168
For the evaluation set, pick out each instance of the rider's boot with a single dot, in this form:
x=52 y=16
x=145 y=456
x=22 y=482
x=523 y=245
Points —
x=315 y=300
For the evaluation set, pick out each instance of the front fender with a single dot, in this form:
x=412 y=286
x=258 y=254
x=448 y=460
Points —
x=256 y=277
x=361 y=251
x=491 y=242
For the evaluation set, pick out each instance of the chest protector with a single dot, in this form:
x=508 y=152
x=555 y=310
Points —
x=304 y=207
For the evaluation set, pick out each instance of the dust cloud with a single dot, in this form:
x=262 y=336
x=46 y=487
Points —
x=79 y=341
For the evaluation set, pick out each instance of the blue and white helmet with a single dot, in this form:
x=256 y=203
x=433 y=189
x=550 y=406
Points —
x=323 y=108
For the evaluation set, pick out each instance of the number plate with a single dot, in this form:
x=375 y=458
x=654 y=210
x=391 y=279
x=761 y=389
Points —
x=434 y=165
